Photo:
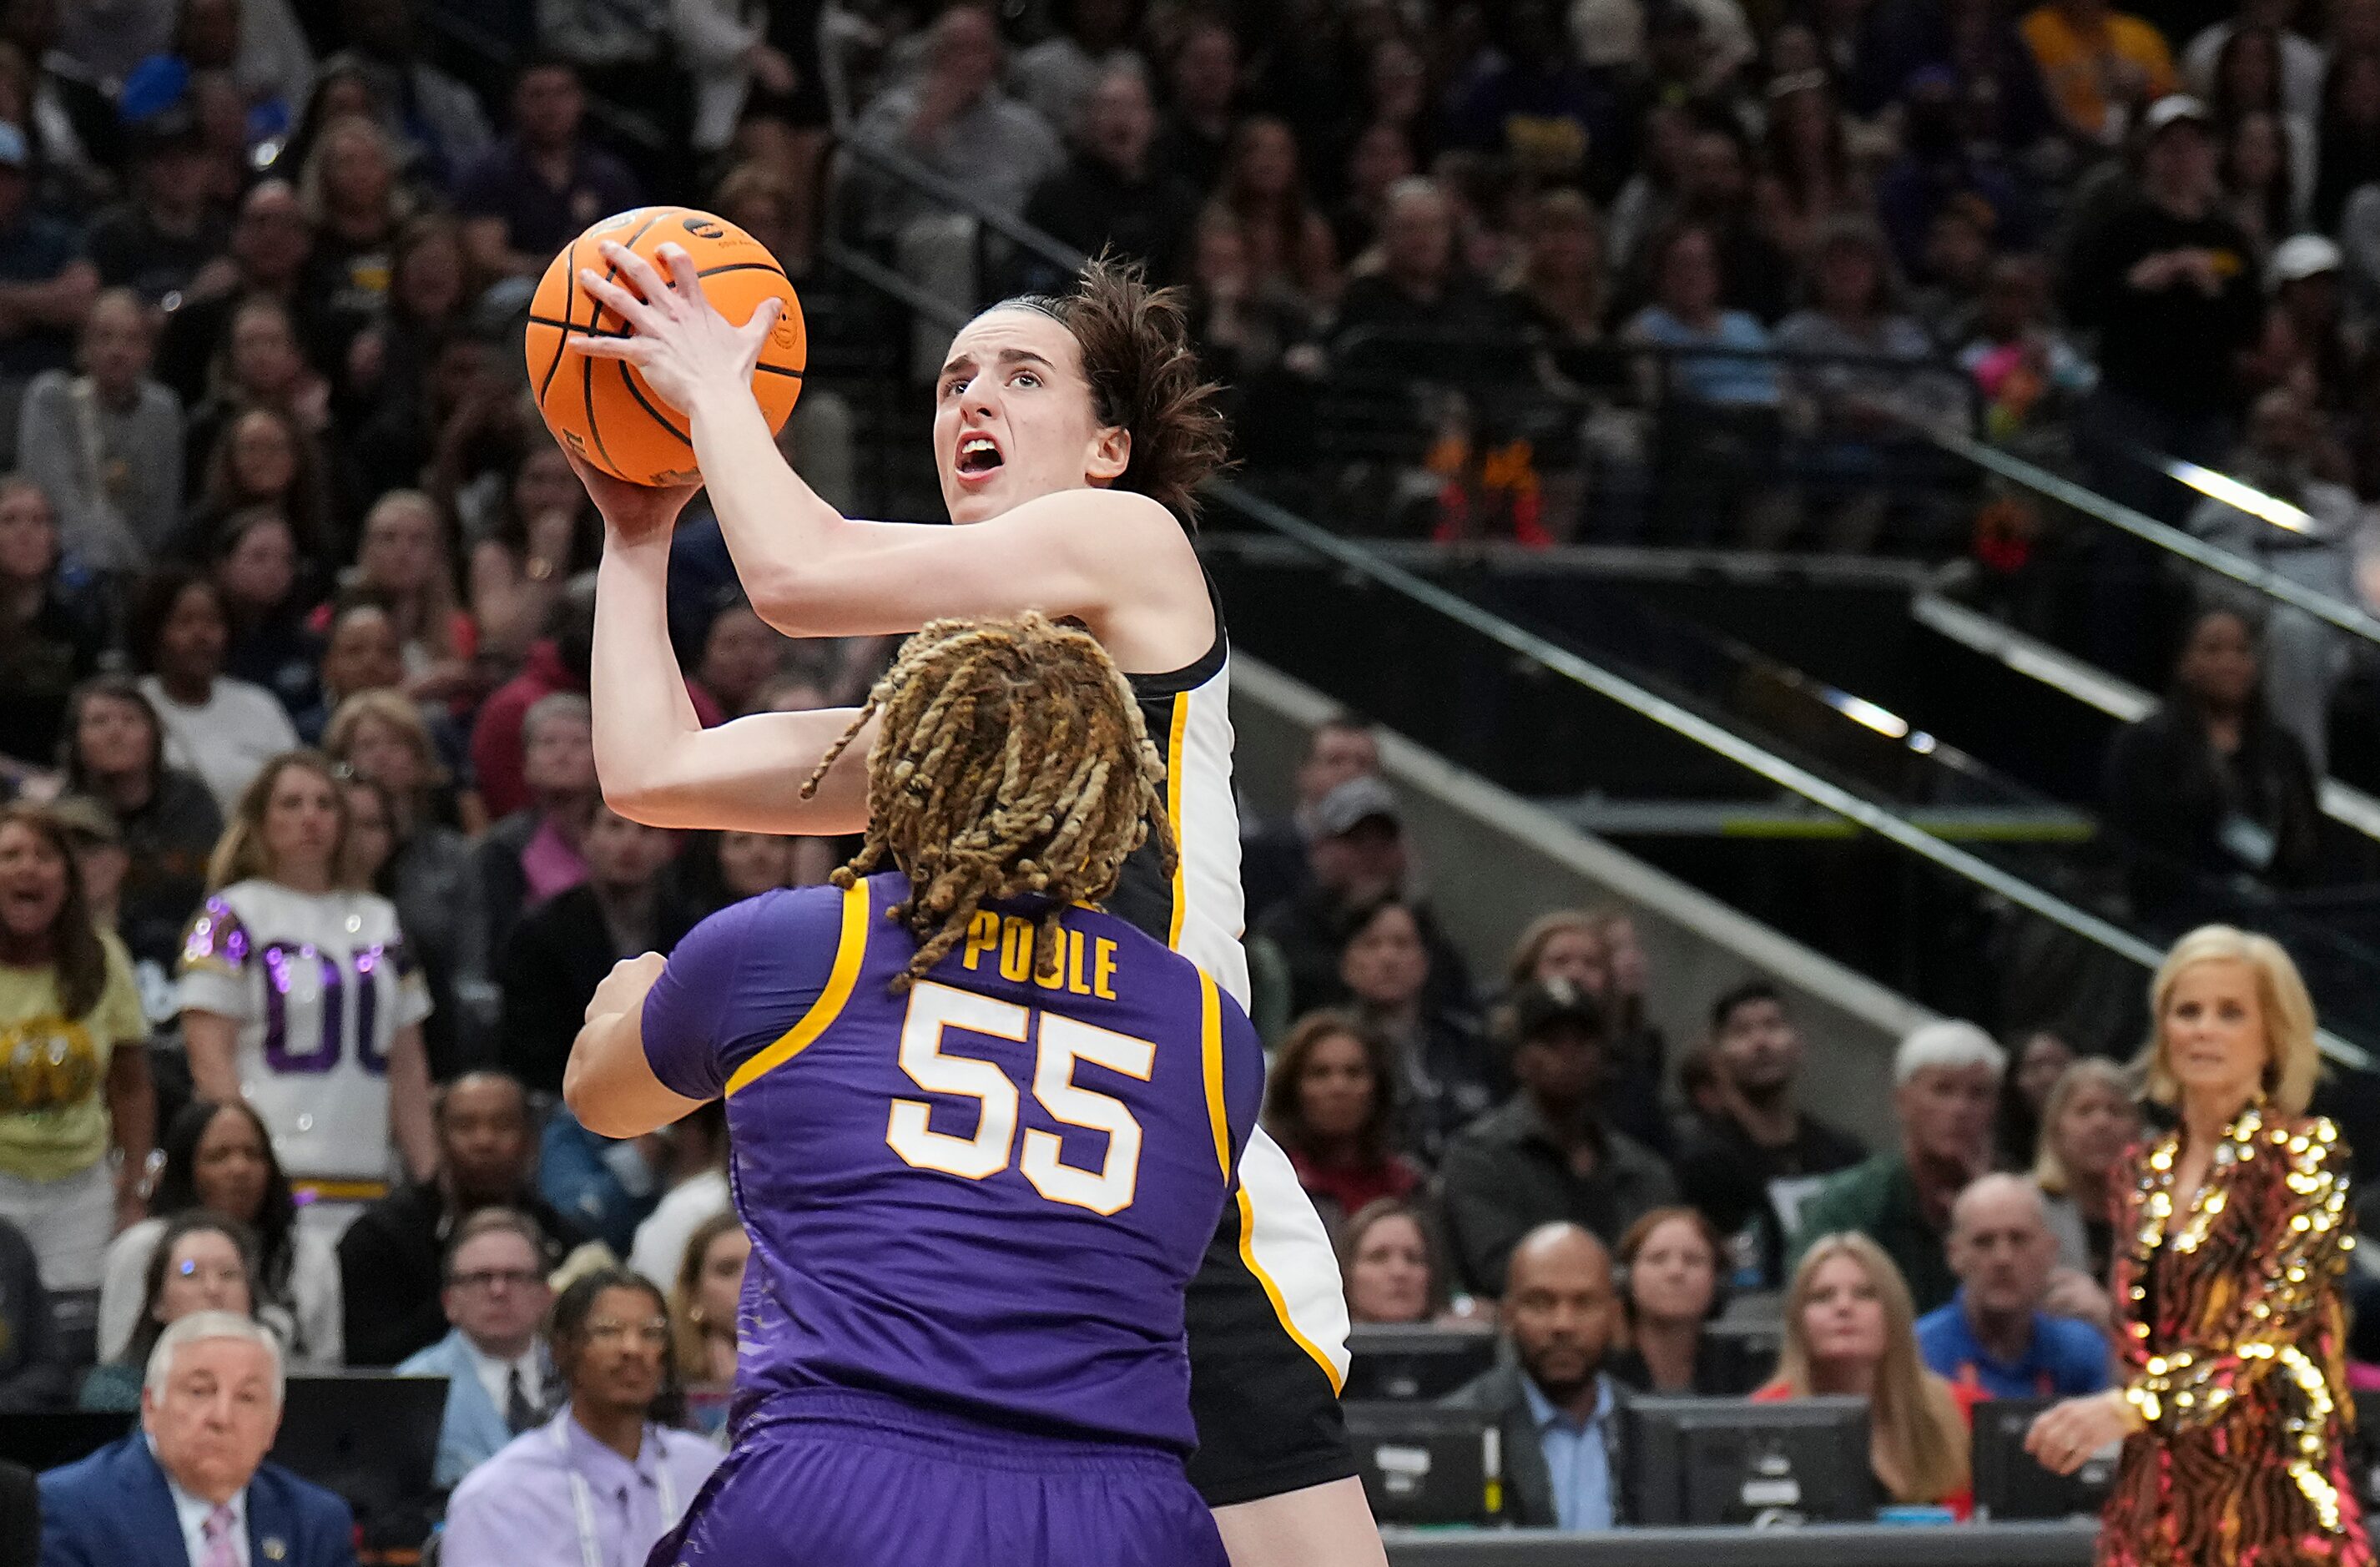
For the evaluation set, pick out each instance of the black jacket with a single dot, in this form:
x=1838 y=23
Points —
x=1528 y=1484
x=388 y=1268
x=2169 y=794
x=550 y=967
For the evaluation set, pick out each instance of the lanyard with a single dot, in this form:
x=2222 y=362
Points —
x=582 y=1497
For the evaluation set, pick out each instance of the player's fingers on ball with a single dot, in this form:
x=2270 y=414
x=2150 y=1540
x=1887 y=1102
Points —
x=604 y=346
x=684 y=276
x=763 y=321
x=616 y=299
x=640 y=275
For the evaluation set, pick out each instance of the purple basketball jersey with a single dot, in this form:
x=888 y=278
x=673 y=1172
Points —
x=987 y=1195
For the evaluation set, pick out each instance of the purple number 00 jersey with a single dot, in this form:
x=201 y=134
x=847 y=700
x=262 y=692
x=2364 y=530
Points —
x=986 y=1196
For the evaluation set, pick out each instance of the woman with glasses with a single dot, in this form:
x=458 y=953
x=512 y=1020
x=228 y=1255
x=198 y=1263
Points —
x=607 y=1477
x=201 y=1263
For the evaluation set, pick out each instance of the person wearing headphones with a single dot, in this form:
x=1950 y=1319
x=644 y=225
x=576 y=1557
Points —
x=1670 y=1294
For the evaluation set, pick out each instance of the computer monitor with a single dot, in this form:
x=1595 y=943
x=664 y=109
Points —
x=2010 y=1484
x=1405 y=1364
x=1423 y=1464
x=56 y=1438
x=1723 y=1461
x=373 y=1438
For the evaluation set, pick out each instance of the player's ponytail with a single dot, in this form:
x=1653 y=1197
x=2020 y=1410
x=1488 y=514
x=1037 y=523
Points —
x=1011 y=762
x=1145 y=379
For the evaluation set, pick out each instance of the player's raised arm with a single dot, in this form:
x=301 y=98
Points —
x=1022 y=432
x=657 y=763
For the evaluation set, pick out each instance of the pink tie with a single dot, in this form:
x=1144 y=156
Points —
x=217 y=1530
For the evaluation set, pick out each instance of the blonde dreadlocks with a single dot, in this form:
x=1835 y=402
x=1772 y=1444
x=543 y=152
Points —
x=1011 y=763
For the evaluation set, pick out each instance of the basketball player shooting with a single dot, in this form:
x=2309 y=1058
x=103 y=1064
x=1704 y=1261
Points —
x=1070 y=434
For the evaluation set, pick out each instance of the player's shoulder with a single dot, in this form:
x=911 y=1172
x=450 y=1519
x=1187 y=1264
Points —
x=1110 y=519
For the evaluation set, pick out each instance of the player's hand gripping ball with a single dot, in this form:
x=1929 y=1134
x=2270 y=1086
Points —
x=603 y=408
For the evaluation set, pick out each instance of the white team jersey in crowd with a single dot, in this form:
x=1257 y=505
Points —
x=318 y=986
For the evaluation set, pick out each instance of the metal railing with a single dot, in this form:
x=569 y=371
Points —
x=1630 y=694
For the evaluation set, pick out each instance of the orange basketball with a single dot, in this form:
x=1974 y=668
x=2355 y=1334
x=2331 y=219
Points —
x=601 y=408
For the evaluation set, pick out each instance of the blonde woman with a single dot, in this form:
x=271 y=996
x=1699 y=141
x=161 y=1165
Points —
x=1564 y=945
x=1850 y=1329
x=2231 y=1233
x=2088 y=1123
x=300 y=997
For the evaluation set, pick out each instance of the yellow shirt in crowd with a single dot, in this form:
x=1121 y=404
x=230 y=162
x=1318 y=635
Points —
x=53 y=1072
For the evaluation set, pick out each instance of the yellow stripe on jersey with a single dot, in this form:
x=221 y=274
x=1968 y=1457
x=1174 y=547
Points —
x=851 y=947
x=1211 y=1040
x=1272 y=1291
x=1173 y=771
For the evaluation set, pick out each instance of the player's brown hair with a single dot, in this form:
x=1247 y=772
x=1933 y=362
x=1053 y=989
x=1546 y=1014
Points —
x=1145 y=379
x=1011 y=762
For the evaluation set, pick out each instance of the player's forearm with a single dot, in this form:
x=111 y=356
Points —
x=642 y=712
x=608 y=1085
x=777 y=531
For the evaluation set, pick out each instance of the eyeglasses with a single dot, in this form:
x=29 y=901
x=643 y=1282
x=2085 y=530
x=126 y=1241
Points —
x=489 y=1278
x=652 y=1331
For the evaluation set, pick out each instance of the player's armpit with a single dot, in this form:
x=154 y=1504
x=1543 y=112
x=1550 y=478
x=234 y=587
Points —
x=745 y=776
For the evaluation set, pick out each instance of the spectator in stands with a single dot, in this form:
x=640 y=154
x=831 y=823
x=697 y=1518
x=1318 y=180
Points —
x=1330 y=1103
x=1852 y=317
x=1289 y=244
x=2209 y=787
x=105 y=444
x=684 y=1181
x=2260 y=187
x=192 y=1487
x=1686 y=314
x=1569 y=944
x=428 y=296
x=1440 y=1079
x=158 y=243
x=1750 y=1167
x=1564 y=945
x=222 y=729
x=74 y=1069
x=35 y=1365
x=271 y=239
x=1109 y=195
x=1058 y=77
x=2347 y=134
x=557 y=662
x=560 y=951
x=1394 y=1268
x=1203 y=81
x=957 y=121
x=1809 y=182
x=2309 y=343
x=1420 y=285
x=352 y=190
x=714 y=869
x=361 y=653
x=1356 y=856
x=500 y=1376
x=255 y=574
x=259 y=362
x=219 y=1160
x=2103 y=67
x=115 y=753
x=201 y=1263
x=536 y=852
x=1849 y=1330
x=1637 y=1039
x=2026 y=368
x=1274 y=865
x=51 y=635
x=433 y=111
x=2170 y=285
x=1997 y=1336
x=706 y=1293
x=543 y=534
x=2300 y=60
x=2039 y=1060
x=1538 y=107
x=1547 y=1153
x=529 y=1505
x=46 y=286
x=1562 y=294
x=343 y=1085
x=1671 y=1258
x=1946 y=1078
x=535 y=190
x=264 y=459
x=741 y=653
x=2089 y=1121
x=1554 y=1398
x=389 y=1255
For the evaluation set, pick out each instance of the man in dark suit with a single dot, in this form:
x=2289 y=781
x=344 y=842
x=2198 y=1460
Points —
x=192 y=1488
x=1558 y=1410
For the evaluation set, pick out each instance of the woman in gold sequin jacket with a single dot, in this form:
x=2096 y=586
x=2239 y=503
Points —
x=2231 y=1232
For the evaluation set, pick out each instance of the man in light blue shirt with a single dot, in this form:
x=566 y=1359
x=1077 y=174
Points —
x=1555 y=1406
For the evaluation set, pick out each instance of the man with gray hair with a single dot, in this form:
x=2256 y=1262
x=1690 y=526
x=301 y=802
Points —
x=1946 y=1085
x=1996 y=1335
x=191 y=1487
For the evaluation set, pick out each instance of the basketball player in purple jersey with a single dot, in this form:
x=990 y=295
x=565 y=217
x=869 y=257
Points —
x=1070 y=433
x=983 y=1132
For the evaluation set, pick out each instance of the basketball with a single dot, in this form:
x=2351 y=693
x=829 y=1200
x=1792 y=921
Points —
x=602 y=409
